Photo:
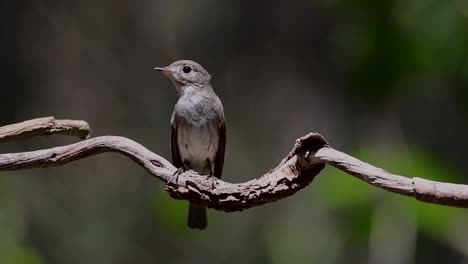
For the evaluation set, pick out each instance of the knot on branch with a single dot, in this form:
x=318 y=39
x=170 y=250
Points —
x=311 y=142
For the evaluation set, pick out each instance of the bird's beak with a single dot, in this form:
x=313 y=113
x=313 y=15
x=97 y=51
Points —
x=164 y=70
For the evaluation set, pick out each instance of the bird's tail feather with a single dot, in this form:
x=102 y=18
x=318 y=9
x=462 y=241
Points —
x=197 y=217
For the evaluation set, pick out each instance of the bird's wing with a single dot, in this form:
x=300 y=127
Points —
x=176 y=160
x=219 y=160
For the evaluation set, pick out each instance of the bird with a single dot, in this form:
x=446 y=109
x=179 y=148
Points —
x=198 y=130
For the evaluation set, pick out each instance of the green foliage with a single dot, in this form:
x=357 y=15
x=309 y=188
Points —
x=12 y=248
x=169 y=212
x=387 y=42
x=21 y=255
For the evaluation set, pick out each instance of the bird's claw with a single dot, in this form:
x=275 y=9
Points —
x=175 y=177
x=213 y=181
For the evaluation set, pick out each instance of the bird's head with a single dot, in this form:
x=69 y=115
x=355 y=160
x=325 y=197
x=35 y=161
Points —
x=186 y=73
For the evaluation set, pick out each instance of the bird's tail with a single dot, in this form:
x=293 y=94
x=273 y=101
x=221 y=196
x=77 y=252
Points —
x=197 y=217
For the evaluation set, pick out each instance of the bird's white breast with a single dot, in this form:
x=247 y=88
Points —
x=198 y=144
x=197 y=132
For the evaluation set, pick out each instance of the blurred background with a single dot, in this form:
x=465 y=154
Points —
x=385 y=81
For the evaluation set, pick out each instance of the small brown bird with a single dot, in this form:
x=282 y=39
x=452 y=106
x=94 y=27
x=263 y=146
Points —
x=198 y=131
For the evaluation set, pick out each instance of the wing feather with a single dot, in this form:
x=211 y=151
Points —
x=219 y=159
x=176 y=160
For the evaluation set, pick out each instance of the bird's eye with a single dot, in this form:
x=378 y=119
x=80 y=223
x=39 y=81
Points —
x=187 y=69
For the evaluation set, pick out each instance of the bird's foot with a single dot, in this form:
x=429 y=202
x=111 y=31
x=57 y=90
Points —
x=213 y=181
x=175 y=177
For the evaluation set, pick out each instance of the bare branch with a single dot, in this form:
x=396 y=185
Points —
x=423 y=190
x=296 y=171
x=44 y=126
x=290 y=176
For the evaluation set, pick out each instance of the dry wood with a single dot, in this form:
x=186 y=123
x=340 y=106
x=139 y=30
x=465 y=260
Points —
x=44 y=126
x=296 y=171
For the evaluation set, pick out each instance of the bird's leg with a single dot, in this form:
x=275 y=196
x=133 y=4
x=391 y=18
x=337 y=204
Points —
x=175 y=177
x=212 y=177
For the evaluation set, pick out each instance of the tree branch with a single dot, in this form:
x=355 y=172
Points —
x=423 y=190
x=44 y=126
x=296 y=171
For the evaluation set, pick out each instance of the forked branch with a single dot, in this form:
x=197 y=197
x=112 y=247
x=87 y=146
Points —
x=295 y=171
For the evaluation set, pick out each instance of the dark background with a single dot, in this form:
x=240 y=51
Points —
x=385 y=81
